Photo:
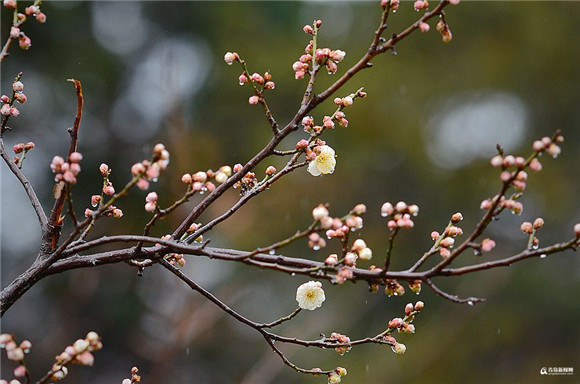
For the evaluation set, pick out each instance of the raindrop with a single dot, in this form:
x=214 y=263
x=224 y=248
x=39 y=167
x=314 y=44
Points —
x=154 y=179
x=470 y=303
x=315 y=247
x=94 y=205
x=94 y=262
x=543 y=256
x=384 y=214
x=535 y=246
x=272 y=251
x=293 y=274
x=477 y=252
x=417 y=293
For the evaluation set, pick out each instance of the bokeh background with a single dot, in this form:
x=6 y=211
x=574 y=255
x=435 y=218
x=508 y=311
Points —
x=153 y=72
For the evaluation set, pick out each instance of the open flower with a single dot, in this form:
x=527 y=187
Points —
x=324 y=162
x=310 y=295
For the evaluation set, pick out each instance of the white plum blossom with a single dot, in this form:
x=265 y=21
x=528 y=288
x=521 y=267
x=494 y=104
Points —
x=324 y=162
x=310 y=295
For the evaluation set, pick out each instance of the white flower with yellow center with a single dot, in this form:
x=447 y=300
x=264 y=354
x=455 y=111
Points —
x=310 y=295
x=324 y=163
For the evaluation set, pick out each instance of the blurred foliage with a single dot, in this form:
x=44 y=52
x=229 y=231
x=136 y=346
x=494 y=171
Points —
x=527 y=51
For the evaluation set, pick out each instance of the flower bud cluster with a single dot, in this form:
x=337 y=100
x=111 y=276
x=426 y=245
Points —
x=415 y=286
x=339 y=227
x=149 y=171
x=510 y=204
x=359 y=247
x=175 y=259
x=342 y=339
x=315 y=241
x=261 y=83
x=135 y=378
x=549 y=146
x=151 y=202
x=392 y=4
x=15 y=32
x=199 y=181
x=335 y=376
x=80 y=352
x=20 y=150
x=247 y=182
x=400 y=214
x=446 y=241
x=322 y=56
x=394 y=288
x=66 y=170
x=8 y=108
x=15 y=352
x=421 y=4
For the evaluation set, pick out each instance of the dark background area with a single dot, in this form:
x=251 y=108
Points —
x=154 y=72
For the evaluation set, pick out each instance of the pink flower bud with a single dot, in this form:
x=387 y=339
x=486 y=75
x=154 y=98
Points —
x=69 y=177
x=270 y=170
x=387 y=209
x=24 y=41
x=75 y=157
x=150 y=207
x=210 y=186
x=538 y=223
x=257 y=78
x=5 y=99
x=444 y=252
x=10 y=4
x=17 y=148
x=535 y=165
x=5 y=110
x=151 y=197
x=143 y=184
x=527 y=227
x=505 y=176
x=395 y=323
x=538 y=146
x=14 y=32
x=554 y=150
x=20 y=97
x=238 y=167
x=447 y=242
x=243 y=79
x=487 y=245
x=117 y=213
x=408 y=309
x=136 y=169
x=496 y=161
x=435 y=235
x=424 y=27
x=14 y=112
x=401 y=206
x=41 y=18
x=270 y=85
x=253 y=100
x=31 y=10
x=577 y=230
x=186 y=178
x=230 y=57
x=337 y=55
x=200 y=176
x=421 y=4
x=20 y=371
x=75 y=168
x=109 y=190
x=331 y=259
x=86 y=358
x=308 y=29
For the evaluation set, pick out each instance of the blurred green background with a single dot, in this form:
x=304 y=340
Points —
x=154 y=72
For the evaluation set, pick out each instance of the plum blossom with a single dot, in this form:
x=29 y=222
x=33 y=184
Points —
x=310 y=295
x=324 y=162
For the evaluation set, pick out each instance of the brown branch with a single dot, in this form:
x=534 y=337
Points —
x=52 y=233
